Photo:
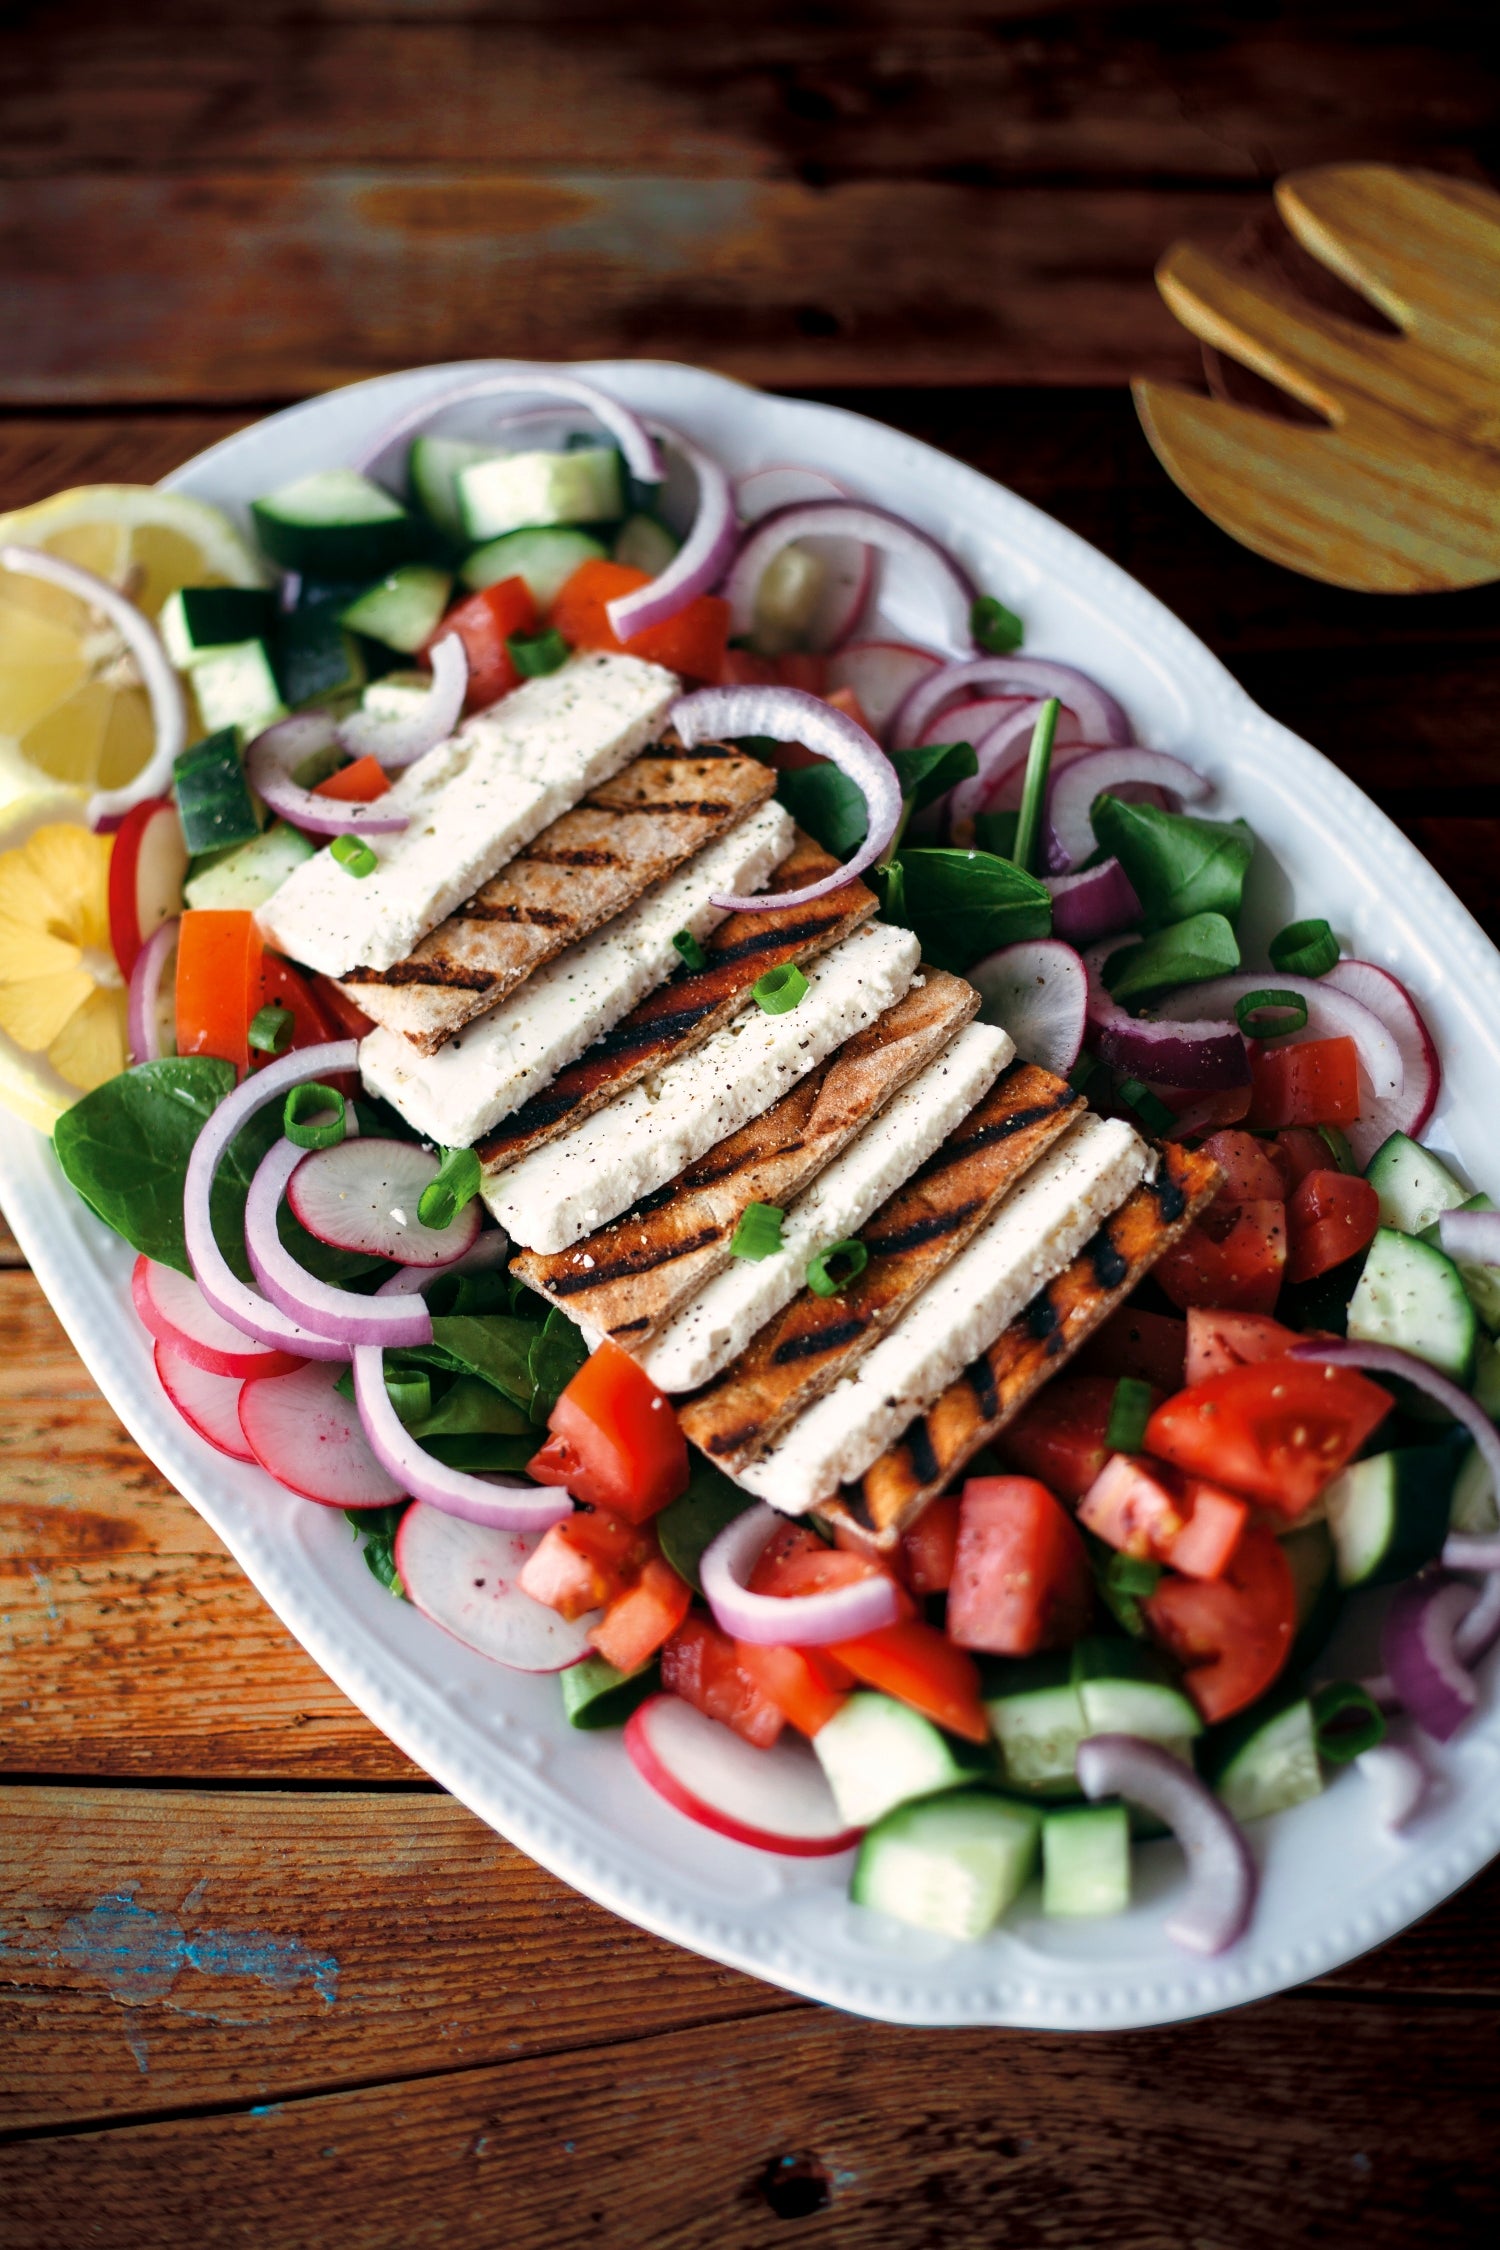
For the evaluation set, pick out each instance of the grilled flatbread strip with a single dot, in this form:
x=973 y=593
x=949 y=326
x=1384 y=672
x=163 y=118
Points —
x=632 y=1276
x=680 y=1014
x=975 y=1408
x=802 y=1352
x=587 y=867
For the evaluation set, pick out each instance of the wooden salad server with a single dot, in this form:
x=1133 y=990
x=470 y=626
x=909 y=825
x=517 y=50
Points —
x=1396 y=488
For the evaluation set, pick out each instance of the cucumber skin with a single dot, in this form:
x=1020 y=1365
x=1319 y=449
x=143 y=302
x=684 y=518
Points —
x=246 y=876
x=545 y=558
x=934 y=1825
x=1074 y=1883
x=316 y=657
x=1280 y=1731
x=403 y=609
x=1422 y=1502
x=1413 y=1185
x=1413 y=1276
x=357 y=552
x=213 y=796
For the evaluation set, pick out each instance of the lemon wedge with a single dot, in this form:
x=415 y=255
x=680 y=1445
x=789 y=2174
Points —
x=73 y=710
x=62 y=997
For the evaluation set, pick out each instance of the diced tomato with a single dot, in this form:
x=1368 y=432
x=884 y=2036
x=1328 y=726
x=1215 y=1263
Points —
x=1314 y=1083
x=1277 y=1431
x=694 y=641
x=1331 y=1216
x=806 y=1686
x=484 y=623
x=796 y=1562
x=1203 y=1113
x=928 y=1547
x=1251 y=1174
x=638 y=1620
x=1143 y=1509
x=1231 y=1256
x=1232 y=1634
x=1217 y=1341
x=699 y=1664
x=357 y=784
x=1298 y=1151
x=219 y=963
x=282 y=986
x=1150 y=1346
x=803 y=668
x=340 y=1010
x=1058 y=1436
x=585 y=1562
x=746 y=667
x=616 y=1441
x=918 y=1665
x=1021 y=1577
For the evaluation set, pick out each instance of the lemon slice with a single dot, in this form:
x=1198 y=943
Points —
x=72 y=707
x=62 y=998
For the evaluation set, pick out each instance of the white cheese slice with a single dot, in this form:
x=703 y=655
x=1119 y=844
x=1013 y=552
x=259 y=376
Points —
x=471 y=804
x=727 y=1311
x=642 y=1140
x=1039 y=1228
x=495 y=1064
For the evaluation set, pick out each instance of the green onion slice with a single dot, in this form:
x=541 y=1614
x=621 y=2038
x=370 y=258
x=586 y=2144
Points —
x=779 y=990
x=1129 y=1412
x=410 y=1393
x=455 y=1183
x=1304 y=949
x=1034 y=787
x=1337 y=1145
x=692 y=952
x=534 y=654
x=314 y=1116
x=271 y=1029
x=758 y=1234
x=1347 y=1721
x=834 y=1268
x=354 y=855
x=995 y=629
x=1132 y=1574
x=1148 y=1107
x=1286 y=1012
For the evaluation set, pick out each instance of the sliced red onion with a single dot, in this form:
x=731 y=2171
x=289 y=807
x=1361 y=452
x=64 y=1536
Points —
x=396 y=742
x=880 y=674
x=1093 y=904
x=143 y=1007
x=232 y=1298
x=1205 y=1055
x=790 y=715
x=1418 y=1646
x=160 y=681
x=1330 y=1015
x=1387 y=997
x=699 y=563
x=782 y=484
x=847 y=519
x=1479 y=1628
x=1221 y=1872
x=798 y=1621
x=1399 y=1779
x=1071 y=838
x=1037 y=990
x=975 y=722
x=627 y=429
x=269 y=763
x=340 y=1313
x=1473 y=1236
x=1100 y=718
x=999 y=750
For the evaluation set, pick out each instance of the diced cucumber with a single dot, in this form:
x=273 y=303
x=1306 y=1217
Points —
x=248 y=876
x=398 y=695
x=1389 y=1513
x=198 y=619
x=316 y=658
x=1412 y=1296
x=335 y=524
x=1487 y=1378
x=521 y=491
x=595 y=1694
x=213 y=797
x=1413 y=1185
x=1474 y=1509
x=1310 y=1558
x=402 y=608
x=1482 y=1282
x=1267 y=1758
x=546 y=559
x=645 y=543
x=432 y=469
x=949 y=1864
x=1124 y=1688
x=1086 y=1860
x=786 y=600
x=238 y=687
x=1037 y=1719
x=876 y=1754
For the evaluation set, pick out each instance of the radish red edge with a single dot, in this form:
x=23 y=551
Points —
x=208 y=1403
x=653 y=1769
x=152 y=1284
x=457 y=1573
x=146 y=871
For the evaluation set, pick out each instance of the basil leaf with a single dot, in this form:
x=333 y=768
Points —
x=1178 y=864
x=1202 y=946
x=963 y=905
x=688 y=1525
x=929 y=772
x=827 y=804
x=996 y=832
x=556 y=1355
x=125 y=1147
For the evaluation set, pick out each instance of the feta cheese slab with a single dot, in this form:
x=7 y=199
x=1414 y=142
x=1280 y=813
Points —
x=717 y=1324
x=471 y=804
x=1040 y=1227
x=638 y=1143
x=493 y=1066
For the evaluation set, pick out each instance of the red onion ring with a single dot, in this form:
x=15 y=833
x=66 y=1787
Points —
x=234 y=1299
x=160 y=681
x=1399 y=1779
x=1387 y=997
x=846 y=519
x=773 y=1620
x=396 y=742
x=1221 y=1872
x=268 y=764
x=998 y=752
x=1421 y=1659
x=143 y=1001
x=1204 y=1055
x=701 y=560
x=1070 y=837
x=627 y=430
x=790 y=715
x=340 y=1313
x=1093 y=904
x=1100 y=718
x=1330 y=1015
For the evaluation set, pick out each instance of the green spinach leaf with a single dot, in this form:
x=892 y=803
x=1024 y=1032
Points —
x=964 y=904
x=375 y=1529
x=1178 y=864
x=690 y=1523
x=125 y=1148
x=1185 y=953
x=556 y=1355
x=929 y=772
x=827 y=804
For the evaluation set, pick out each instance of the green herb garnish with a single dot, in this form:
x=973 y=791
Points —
x=535 y=654
x=1149 y=1108
x=354 y=855
x=1129 y=1412
x=1347 y=1721
x=1304 y=949
x=780 y=989
x=1270 y=1014
x=692 y=953
x=758 y=1234
x=314 y=1116
x=995 y=629
x=1034 y=787
x=271 y=1029
x=833 y=1269
x=454 y=1184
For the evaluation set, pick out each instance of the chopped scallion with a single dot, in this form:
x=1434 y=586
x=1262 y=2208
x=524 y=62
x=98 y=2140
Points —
x=314 y=1116
x=758 y=1234
x=1270 y=1014
x=693 y=955
x=1304 y=949
x=1347 y=1721
x=354 y=855
x=995 y=629
x=834 y=1268
x=1133 y=1574
x=1129 y=1412
x=1034 y=787
x=271 y=1029
x=410 y=1393
x=455 y=1183
x=1337 y=1145
x=780 y=989
x=534 y=654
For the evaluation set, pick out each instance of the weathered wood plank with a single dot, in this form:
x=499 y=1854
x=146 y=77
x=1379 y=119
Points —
x=1324 y=2121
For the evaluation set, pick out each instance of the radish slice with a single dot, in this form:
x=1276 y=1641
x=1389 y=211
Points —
x=308 y=1438
x=769 y=1620
x=1221 y=1872
x=177 y=1313
x=1038 y=991
x=847 y=519
x=150 y=1014
x=880 y=675
x=1100 y=718
x=397 y=742
x=363 y=1195
x=971 y=722
x=342 y=1314
x=1331 y=1014
x=209 y=1404
x=1386 y=997
x=146 y=871
x=776 y=1799
x=463 y=1576
x=1070 y=832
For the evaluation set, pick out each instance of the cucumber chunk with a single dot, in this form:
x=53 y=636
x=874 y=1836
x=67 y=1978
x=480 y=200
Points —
x=1474 y=1509
x=1482 y=1282
x=951 y=1865
x=316 y=658
x=645 y=543
x=237 y=687
x=248 y=877
x=1412 y=1296
x=1309 y=1552
x=595 y=1694
x=1267 y=1759
x=521 y=491
x=1037 y=1719
x=334 y=524
x=1389 y=1513
x=876 y=1754
x=213 y=797
x=546 y=559
x=1124 y=1688
x=401 y=609
x=198 y=619
x=1413 y=1185
x=432 y=469
x=1086 y=1860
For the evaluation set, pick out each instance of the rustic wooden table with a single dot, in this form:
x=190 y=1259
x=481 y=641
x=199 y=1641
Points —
x=261 y=1982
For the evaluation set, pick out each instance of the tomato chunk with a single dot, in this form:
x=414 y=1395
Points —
x=1058 y=1436
x=219 y=963
x=615 y=1441
x=1217 y=1341
x=918 y=1665
x=282 y=986
x=699 y=1664
x=694 y=641
x=644 y=1615
x=1251 y=1173
x=484 y=623
x=1233 y=1256
x=806 y=1686
x=1298 y=1151
x=1021 y=1577
x=796 y=1562
x=1150 y=1346
x=1330 y=1217
x=585 y=1562
x=1276 y=1432
x=1231 y=1634
x=928 y=1547
x=1314 y=1083
x=1158 y=1514
x=357 y=784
